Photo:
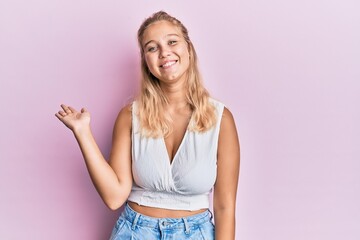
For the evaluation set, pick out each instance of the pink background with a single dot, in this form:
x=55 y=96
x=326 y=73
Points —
x=288 y=70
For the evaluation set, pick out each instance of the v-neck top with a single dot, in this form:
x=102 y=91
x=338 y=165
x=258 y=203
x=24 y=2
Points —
x=182 y=184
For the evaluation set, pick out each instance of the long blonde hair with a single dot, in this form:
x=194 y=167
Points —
x=154 y=122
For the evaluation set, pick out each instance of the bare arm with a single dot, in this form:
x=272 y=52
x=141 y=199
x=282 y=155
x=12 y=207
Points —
x=227 y=178
x=111 y=179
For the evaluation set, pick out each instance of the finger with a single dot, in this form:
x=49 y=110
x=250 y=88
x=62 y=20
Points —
x=66 y=108
x=83 y=110
x=62 y=113
x=59 y=116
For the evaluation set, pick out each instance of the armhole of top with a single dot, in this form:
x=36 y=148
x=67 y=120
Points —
x=133 y=116
x=221 y=109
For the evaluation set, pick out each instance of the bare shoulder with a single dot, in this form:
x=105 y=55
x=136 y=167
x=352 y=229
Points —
x=123 y=120
x=121 y=141
x=228 y=137
x=227 y=121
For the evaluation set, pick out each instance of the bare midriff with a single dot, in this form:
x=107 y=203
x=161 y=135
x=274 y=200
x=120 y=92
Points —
x=162 y=213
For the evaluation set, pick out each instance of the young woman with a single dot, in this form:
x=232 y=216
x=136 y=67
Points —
x=171 y=146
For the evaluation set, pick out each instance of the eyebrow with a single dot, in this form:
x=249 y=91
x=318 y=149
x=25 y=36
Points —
x=169 y=35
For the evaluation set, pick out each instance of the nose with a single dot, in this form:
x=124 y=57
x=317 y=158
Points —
x=164 y=52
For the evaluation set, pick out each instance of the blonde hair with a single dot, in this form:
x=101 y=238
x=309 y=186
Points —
x=154 y=122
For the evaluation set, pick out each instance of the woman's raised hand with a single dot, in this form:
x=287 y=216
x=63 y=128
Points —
x=73 y=119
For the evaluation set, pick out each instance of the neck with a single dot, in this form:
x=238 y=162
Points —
x=177 y=101
x=175 y=94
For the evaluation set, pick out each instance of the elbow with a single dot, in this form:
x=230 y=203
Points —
x=224 y=210
x=114 y=204
x=115 y=200
x=225 y=206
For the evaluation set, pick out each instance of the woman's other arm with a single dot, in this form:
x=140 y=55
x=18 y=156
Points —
x=113 y=179
x=225 y=188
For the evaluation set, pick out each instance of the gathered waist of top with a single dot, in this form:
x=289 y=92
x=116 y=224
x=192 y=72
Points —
x=146 y=221
x=172 y=201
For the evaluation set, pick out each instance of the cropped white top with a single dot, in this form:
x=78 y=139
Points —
x=186 y=182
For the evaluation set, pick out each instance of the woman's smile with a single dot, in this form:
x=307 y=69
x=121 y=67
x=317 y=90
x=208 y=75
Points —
x=168 y=64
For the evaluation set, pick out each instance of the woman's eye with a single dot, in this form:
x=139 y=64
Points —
x=172 y=42
x=151 y=49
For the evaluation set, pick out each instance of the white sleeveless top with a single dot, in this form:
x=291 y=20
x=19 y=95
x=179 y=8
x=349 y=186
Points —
x=186 y=182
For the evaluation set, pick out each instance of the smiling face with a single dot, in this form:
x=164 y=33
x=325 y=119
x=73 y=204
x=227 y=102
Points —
x=166 y=52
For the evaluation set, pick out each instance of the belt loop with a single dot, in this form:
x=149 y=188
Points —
x=135 y=221
x=187 y=229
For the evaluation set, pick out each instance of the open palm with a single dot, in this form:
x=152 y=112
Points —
x=73 y=119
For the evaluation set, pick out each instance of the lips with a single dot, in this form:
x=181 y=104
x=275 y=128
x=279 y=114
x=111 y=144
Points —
x=168 y=64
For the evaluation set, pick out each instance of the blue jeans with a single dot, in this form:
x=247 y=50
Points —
x=133 y=225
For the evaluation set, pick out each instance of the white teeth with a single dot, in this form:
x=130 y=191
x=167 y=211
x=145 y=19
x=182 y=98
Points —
x=168 y=64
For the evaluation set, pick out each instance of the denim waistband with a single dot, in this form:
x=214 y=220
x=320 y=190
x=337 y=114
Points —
x=136 y=218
